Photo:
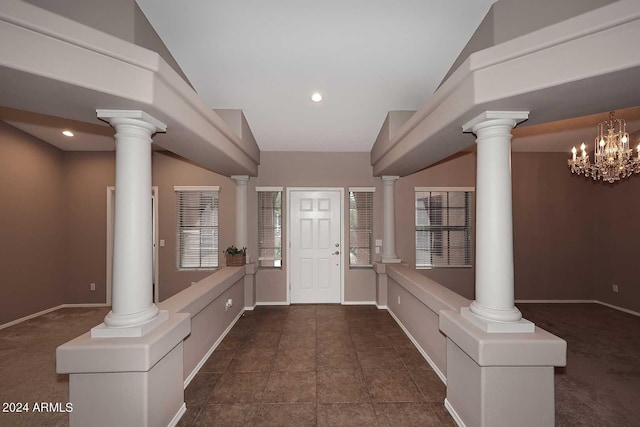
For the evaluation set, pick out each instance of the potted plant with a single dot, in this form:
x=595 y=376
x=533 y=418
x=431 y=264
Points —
x=235 y=257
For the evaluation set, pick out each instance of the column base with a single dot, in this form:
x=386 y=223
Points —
x=492 y=326
x=500 y=380
x=104 y=331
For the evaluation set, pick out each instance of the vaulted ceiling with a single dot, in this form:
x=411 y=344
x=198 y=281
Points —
x=365 y=57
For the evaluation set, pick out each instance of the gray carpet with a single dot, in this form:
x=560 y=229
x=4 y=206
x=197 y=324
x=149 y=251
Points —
x=28 y=366
x=600 y=386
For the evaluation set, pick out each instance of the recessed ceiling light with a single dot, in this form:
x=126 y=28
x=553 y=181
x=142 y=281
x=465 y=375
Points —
x=316 y=97
x=67 y=133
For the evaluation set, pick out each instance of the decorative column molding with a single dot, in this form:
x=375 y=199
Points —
x=494 y=309
x=133 y=312
x=389 y=231
x=242 y=182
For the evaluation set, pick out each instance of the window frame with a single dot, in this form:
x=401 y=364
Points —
x=276 y=235
x=214 y=228
x=370 y=191
x=446 y=228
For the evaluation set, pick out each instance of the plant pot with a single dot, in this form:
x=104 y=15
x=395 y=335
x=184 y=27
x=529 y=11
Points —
x=237 y=260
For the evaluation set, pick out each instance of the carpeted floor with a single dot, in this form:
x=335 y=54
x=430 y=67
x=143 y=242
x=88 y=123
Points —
x=28 y=363
x=599 y=387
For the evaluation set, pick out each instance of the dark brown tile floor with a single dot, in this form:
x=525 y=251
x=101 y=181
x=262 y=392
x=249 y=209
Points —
x=308 y=365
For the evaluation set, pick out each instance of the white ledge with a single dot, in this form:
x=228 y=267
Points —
x=430 y=293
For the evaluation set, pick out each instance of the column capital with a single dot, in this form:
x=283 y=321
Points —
x=240 y=179
x=389 y=178
x=489 y=118
x=115 y=117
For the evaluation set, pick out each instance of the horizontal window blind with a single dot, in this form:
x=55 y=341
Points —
x=360 y=228
x=443 y=228
x=197 y=213
x=270 y=228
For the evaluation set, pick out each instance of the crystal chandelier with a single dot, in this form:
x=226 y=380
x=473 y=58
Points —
x=613 y=159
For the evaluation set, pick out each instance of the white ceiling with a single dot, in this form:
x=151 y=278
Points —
x=267 y=57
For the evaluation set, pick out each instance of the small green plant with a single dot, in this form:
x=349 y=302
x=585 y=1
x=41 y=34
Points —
x=232 y=250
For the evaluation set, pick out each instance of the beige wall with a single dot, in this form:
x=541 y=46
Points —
x=614 y=250
x=306 y=169
x=458 y=171
x=553 y=228
x=169 y=171
x=53 y=224
x=31 y=225
x=86 y=178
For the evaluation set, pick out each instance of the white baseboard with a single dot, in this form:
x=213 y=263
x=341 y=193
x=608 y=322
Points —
x=273 y=303
x=49 y=310
x=576 y=301
x=555 y=301
x=179 y=414
x=453 y=413
x=211 y=350
x=424 y=354
x=250 y=308
x=358 y=303
x=382 y=307
x=615 y=307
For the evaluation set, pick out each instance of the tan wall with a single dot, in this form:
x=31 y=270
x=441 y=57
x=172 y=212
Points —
x=553 y=228
x=304 y=169
x=169 y=171
x=458 y=171
x=614 y=250
x=31 y=225
x=86 y=178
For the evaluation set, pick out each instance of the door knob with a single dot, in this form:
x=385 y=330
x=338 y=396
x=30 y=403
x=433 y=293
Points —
x=336 y=253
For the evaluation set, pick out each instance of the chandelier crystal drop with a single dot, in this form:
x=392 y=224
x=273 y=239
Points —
x=613 y=159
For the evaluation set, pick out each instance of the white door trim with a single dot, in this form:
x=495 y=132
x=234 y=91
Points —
x=111 y=204
x=288 y=228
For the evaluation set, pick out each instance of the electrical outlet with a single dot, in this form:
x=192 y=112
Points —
x=92 y=286
x=615 y=288
x=398 y=299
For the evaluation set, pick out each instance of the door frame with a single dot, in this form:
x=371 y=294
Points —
x=111 y=204
x=288 y=228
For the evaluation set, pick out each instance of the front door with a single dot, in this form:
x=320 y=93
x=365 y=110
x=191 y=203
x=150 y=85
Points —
x=315 y=246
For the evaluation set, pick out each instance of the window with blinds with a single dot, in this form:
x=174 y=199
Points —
x=443 y=228
x=360 y=227
x=270 y=227
x=197 y=212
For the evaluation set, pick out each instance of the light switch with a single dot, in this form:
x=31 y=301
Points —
x=378 y=242
x=162 y=243
x=377 y=249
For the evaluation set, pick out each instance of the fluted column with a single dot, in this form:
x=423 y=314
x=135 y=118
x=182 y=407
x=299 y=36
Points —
x=132 y=299
x=494 y=304
x=389 y=221
x=241 y=209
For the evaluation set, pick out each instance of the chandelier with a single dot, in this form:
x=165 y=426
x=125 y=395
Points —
x=613 y=159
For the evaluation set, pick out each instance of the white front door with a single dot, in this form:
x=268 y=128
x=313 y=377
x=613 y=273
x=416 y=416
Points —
x=315 y=246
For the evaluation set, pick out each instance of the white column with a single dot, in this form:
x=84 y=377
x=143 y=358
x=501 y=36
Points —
x=494 y=304
x=241 y=209
x=132 y=305
x=389 y=230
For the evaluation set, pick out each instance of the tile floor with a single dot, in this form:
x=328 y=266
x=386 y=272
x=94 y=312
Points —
x=308 y=365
